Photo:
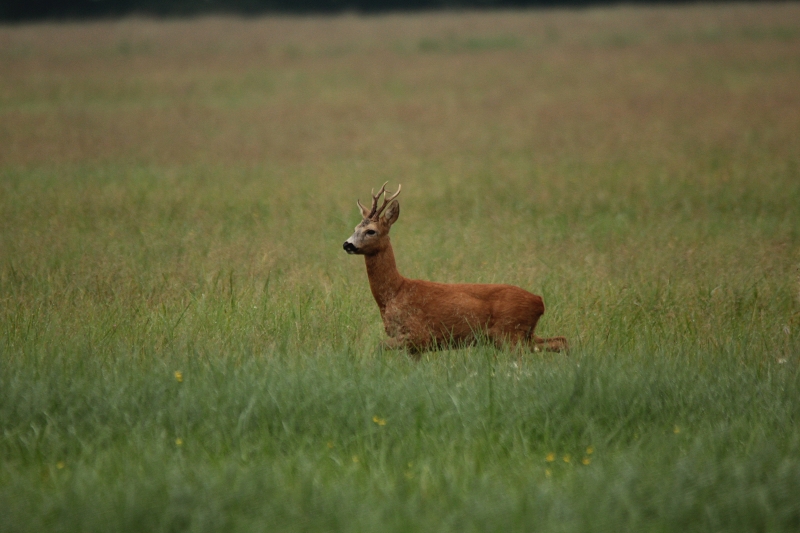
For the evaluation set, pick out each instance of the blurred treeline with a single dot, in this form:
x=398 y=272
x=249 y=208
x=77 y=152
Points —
x=21 y=10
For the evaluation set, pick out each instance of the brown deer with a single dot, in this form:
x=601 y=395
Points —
x=422 y=315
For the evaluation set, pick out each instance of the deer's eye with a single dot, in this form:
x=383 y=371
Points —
x=371 y=232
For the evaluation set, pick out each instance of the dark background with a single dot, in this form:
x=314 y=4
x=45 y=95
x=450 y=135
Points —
x=21 y=10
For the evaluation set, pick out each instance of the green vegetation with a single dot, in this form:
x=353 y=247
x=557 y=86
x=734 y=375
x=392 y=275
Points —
x=184 y=346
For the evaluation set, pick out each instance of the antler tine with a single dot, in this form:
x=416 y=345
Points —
x=375 y=197
x=387 y=201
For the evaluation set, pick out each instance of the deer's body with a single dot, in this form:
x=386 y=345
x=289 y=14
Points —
x=423 y=315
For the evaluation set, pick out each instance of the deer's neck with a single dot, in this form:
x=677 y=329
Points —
x=384 y=279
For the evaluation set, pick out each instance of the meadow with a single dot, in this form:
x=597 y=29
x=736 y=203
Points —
x=184 y=345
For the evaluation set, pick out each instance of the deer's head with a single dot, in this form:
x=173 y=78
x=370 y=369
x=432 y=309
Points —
x=372 y=235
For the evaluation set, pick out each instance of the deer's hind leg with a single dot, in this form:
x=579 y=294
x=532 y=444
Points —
x=514 y=325
x=550 y=344
x=521 y=336
x=510 y=335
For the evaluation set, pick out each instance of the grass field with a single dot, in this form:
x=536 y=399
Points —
x=184 y=346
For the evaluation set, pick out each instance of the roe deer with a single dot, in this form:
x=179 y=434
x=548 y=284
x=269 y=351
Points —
x=422 y=315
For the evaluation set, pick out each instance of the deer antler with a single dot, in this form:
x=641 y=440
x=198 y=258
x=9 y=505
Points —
x=386 y=201
x=375 y=211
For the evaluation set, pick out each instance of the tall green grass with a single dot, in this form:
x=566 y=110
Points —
x=184 y=346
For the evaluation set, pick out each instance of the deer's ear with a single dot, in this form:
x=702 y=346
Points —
x=391 y=214
x=364 y=210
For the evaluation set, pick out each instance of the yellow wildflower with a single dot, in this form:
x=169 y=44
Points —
x=567 y=458
x=60 y=465
x=586 y=461
x=355 y=458
x=548 y=473
x=378 y=420
x=550 y=457
x=179 y=376
x=178 y=442
x=589 y=450
x=676 y=430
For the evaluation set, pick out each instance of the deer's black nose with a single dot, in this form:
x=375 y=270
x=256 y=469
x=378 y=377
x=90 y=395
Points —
x=349 y=247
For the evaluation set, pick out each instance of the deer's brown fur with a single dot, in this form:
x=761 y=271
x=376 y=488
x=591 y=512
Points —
x=422 y=315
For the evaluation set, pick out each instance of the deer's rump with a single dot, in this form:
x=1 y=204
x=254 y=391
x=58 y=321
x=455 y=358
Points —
x=426 y=313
